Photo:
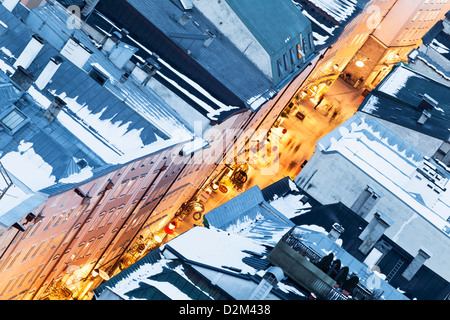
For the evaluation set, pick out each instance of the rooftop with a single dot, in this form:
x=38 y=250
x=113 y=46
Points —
x=222 y=253
x=219 y=67
x=394 y=164
x=100 y=126
x=398 y=97
x=105 y=120
x=324 y=217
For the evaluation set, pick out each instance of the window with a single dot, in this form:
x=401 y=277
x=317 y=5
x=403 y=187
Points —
x=285 y=62
x=299 y=52
x=311 y=41
x=13 y=120
x=279 y=68
x=292 y=56
x=98 y=76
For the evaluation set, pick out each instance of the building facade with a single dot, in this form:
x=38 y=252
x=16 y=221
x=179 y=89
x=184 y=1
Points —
x=368 y=47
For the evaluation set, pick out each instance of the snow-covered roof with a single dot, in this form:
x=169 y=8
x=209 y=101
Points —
x=391 y=162
x=118 y=125
x=399 y=95
x=213 y=253
x=220 y=67
x=98 y=128
x=250 y=215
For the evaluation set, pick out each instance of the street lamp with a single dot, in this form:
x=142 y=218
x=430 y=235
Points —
x=359 y=64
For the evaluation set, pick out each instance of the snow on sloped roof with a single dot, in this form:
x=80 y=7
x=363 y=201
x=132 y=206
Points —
x=338 y=9
x=217 y=248
x=118 y=127
x=291 y=205
x=249 y=215
x=398 y=96
x=384 y=157
x=234 y=76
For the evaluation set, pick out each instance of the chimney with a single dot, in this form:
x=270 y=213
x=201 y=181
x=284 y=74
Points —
x=3 y=28
x=374 y=230
x=335 y=232
x=10 y=4
x=48 y=72
x=378 y=251
x=54 y=109
x=418 y=261
x=23 y=78
x=30 y=52
x=111 y=42
x=426 y=106
x=122 y=80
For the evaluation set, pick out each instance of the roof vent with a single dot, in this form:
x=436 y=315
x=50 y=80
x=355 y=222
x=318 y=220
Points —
x=335 y=232
x=184 y=19
x=208 y=41
x=82 y=163
x=270 y=279
x=427 y=103
x=426 y=106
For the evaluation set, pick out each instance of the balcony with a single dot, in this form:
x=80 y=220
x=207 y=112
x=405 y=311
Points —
x=298 y=261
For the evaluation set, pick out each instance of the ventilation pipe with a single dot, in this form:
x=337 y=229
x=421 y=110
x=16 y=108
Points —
x=335 y=232
x=270 y=279
x=426 y=106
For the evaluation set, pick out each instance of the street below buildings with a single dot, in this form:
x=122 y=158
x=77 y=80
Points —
x=295 y=147
x=298 y=144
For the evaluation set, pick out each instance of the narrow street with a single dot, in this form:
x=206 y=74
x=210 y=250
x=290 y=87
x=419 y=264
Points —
x=298 y=143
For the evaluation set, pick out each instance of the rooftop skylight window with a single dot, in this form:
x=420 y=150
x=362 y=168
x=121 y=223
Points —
x=13 y=120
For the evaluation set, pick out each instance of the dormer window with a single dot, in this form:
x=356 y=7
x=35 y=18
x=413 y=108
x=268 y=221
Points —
x=14 y=120
x=99 y=74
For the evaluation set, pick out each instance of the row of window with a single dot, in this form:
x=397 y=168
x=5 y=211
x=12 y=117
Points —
x=426 y=15
x=294 y=55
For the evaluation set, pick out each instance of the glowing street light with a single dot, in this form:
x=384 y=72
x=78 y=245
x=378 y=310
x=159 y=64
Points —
x=158 y=239
x=359 y=64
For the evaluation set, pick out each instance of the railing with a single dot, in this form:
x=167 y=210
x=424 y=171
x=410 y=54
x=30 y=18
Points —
x=359 y=293
x=334 y=294
x=301 y=248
